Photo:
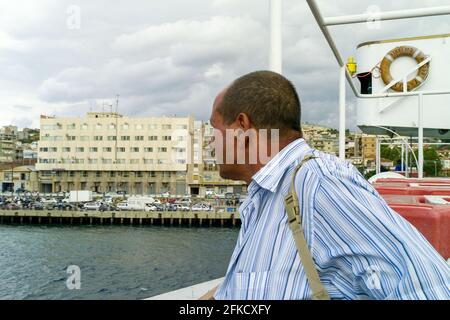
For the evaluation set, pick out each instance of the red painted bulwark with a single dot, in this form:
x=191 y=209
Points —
x=407 y=197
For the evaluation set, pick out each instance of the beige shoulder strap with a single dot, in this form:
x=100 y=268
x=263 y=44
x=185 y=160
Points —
x=295 y=224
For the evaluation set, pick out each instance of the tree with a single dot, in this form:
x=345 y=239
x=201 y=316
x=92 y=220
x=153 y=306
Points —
x=431 y=162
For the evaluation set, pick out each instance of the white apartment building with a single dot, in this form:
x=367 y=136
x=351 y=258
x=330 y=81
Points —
x=109 y=152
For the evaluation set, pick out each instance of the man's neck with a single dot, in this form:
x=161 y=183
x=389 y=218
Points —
x=251 y=169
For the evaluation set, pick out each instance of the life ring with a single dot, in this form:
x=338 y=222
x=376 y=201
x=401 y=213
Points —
x=403 y=51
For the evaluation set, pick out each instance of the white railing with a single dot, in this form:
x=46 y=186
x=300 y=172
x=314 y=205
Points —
x=189 y=293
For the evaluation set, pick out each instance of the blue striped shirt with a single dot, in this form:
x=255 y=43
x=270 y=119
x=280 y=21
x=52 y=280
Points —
x=361 y=247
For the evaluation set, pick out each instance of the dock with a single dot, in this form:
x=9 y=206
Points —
x=162 y=218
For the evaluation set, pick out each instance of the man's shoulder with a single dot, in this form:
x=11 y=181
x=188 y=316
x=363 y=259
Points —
x=328 y=165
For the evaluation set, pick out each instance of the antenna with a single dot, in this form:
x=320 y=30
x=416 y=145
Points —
x=117 y=103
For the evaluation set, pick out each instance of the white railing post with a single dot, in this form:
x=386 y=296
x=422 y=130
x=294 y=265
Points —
x=377 y=156
x=420 y=137
x=342 y=113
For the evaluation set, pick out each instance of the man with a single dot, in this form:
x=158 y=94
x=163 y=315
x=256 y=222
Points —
x=360 y=248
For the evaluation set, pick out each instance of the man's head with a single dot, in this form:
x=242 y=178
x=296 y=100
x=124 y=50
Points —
x=255 y=101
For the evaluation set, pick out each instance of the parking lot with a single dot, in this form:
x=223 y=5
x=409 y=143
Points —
x=116 y=202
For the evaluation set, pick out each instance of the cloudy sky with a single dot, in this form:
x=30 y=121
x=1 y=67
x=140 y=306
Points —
x=172 y=57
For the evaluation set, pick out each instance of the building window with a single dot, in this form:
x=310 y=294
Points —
x=162 y=149
x=153 y=126
x=148 y=149
x=98 y=126
x=53 y=149
x=98 y=138
x=43 y=149
x=71 y=174
x=106 y=161
x=107 y=149
x=153 y=138
x=98 y=174
x=112 y=138
x=66 y=149
x=181 y=126
x=112 y=126
x=139 y=127
x=166 y=138
x=139 y=138
x=120 y=149
x=71 y=138
x=79 y=149
x=84 y=126
x=84 y=174
x=112 y=174
x=134 y=149
x=84 y=138
x=93 y=149
x=166 y=126
x=148 y=161
x=125 y=138
x=120 y=161
x=124 y=126
x=71 y=126
x=93 y=161
x=134 y=161
x=152 y=174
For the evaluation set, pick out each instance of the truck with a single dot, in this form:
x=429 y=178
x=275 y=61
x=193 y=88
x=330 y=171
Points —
x=80 y=196
x=139 y=203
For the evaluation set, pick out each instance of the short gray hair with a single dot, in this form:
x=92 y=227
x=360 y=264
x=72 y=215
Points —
x=269 y=100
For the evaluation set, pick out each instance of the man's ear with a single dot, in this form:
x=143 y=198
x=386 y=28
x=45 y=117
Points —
x=243 y=121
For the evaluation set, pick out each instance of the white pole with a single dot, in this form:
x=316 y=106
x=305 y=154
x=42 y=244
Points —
x=407 y=160
x=403 y=158
x=387 y=15
x=342 y=113
x=420 y=137
x=377 y=156
x=275 y=36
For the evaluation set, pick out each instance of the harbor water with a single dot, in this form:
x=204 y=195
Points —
x=115 y=262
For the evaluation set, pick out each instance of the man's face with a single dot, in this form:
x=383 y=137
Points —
x=222 y=145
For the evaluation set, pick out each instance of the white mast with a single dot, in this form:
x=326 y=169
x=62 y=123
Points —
x=275 y=36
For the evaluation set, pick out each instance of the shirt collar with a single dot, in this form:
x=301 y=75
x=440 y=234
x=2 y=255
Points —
x=269 y=176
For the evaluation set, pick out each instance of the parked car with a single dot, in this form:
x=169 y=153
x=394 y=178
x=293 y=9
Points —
x=49 y=200
x=201 y=207
x=125 y=206
x=181 y=207
x=151 y=207
x=64 y=206
x=106 y=207
x=13 y=206
x=37 y=206
x=92 y=206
